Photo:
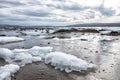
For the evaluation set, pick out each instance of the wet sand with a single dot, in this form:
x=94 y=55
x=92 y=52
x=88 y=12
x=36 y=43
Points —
x=103 y=52
x=2 y=62
x=40 y=71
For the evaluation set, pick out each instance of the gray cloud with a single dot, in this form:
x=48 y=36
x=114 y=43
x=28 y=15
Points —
x=76 y=7
x=66 y=7
x=6 y=3
x=2 y=6
x=38 y=13
x=105 y=11
x=52 y=11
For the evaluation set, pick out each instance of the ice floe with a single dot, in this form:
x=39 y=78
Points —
x=6 y=39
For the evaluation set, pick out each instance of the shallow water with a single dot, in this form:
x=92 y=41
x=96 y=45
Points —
x=99 y=49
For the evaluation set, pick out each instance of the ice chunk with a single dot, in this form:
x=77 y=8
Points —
x=40 y=51
x=24 y=56
x=35 y=51
x=67 y=62
x=6 y=54
x=10 y=39
x=20 y=50
x=105 y=32
x=7 y=70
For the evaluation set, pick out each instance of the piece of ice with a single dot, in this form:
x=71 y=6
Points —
x=24 y=56
x=6 y=54
x=7 y=70
x=67 y=62
x=105 y=32
x=40 y=51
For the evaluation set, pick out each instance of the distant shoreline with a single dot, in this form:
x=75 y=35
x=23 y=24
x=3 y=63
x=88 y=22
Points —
x=74 y=25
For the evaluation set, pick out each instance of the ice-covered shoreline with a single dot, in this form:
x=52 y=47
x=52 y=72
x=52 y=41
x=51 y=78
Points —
x=101 y=49
x=19 y=57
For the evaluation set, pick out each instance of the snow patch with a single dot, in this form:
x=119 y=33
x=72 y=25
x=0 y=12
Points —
x=10 y=39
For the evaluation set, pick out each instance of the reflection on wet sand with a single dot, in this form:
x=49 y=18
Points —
x=98 y=51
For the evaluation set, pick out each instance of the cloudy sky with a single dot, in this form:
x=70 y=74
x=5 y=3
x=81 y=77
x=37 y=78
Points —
x=58 y=12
